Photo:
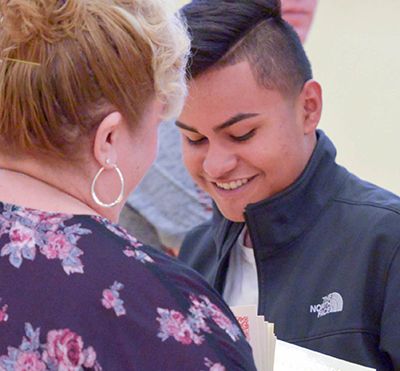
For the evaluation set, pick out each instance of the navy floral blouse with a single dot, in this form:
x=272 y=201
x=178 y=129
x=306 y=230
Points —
x=77 y=292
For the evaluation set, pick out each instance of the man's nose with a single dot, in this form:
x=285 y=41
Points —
x=219 y=161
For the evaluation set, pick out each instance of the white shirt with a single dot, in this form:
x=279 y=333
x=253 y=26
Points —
x=241 y=286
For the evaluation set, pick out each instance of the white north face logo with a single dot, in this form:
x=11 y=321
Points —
x=331 y=303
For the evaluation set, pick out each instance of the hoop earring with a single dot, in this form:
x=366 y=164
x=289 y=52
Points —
x=119 y=199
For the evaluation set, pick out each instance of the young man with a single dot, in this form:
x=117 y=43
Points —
x=316 y=248
x=148 y=210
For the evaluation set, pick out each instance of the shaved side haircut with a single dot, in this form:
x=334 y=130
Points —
x=228 y=32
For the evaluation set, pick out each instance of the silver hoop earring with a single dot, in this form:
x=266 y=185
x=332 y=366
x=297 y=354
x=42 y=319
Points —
x=119 y=199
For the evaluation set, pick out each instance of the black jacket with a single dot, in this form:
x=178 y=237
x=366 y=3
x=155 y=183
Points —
x=328 y=261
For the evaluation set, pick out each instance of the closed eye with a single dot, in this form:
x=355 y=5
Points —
x=244 y=137
x=196 y=142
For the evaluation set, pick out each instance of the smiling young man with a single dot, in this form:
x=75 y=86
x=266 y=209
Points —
x=168 y=182
x=316 y=248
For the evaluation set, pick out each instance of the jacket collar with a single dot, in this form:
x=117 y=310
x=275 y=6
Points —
x=278 y=221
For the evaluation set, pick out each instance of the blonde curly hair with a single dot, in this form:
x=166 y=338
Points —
x=66 y=64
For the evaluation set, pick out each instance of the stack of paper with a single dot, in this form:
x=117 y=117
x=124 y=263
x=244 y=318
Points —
x=271 y=354
x=260 y=335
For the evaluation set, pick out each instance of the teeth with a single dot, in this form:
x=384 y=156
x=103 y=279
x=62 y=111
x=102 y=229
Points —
x=233 y=185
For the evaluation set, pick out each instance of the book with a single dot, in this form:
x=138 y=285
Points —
x=272 y=354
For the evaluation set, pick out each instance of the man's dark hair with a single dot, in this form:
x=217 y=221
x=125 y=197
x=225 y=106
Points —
x=226 y=32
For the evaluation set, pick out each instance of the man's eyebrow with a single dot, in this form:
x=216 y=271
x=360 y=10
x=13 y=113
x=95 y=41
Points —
x=234 y=120
x=185 y=127
x=224 y=125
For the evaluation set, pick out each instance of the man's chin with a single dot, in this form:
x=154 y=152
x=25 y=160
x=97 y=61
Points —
x=232 y=215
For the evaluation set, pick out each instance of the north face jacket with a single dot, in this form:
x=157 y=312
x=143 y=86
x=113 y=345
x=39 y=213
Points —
x=328 y=261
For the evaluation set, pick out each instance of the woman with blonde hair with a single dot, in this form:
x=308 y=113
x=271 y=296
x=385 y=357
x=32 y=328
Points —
x=83 y=86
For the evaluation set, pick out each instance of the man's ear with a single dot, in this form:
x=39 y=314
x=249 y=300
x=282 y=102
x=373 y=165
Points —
x=105 y=140
x=311 y=101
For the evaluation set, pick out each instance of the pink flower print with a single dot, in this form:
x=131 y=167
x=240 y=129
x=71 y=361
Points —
x=36 y=217
x=63 y=352
x=23 y=213
x=188 y=329
x=213 y=366
x=173 y=323
x=29 y=229
x=64 y=349
x=90 y=357
x=54 y=221
x=138 y=255
x=220 y=318
x=3 y=313
x=133 y=240
x=22 y=244
x=121 y=232
x=118 y=230
x=29 y=361
x=111 y=299
x=217 y=367
x=57 y=247
x=115 y=230
x=203 y=308
x=22 y=236
x=199 y=314
x=177 y=327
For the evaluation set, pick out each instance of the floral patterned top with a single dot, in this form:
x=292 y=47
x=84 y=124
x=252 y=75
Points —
x=77 y=292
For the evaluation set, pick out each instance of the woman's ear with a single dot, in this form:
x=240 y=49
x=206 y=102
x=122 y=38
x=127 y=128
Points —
x=106 y=138
x=311 y=100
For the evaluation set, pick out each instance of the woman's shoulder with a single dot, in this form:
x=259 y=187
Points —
x=84 y=281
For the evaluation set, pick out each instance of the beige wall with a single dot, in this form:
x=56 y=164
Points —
x=181 y=2
x=354 y=47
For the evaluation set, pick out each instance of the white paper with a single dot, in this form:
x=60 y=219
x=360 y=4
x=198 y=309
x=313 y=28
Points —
x=290 y=357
